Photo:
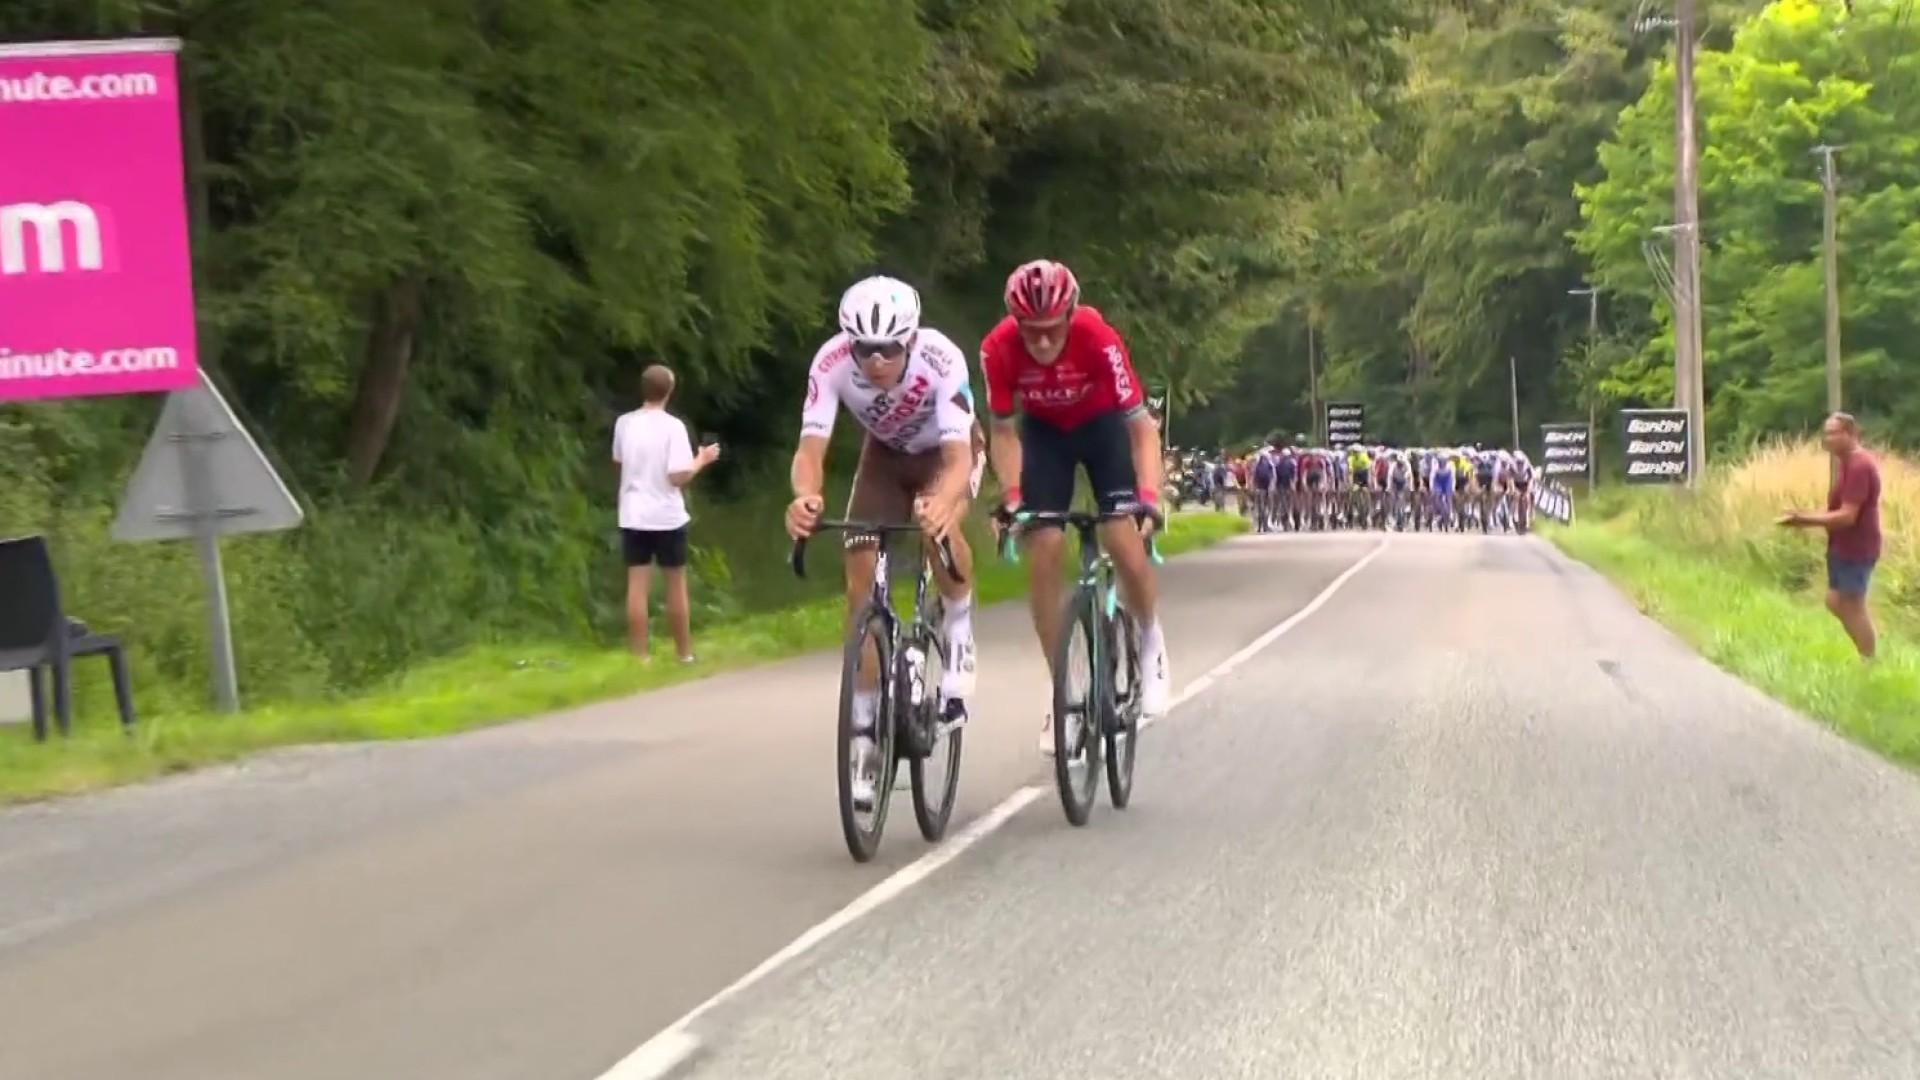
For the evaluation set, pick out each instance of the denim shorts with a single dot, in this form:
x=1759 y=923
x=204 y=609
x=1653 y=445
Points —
x=1849 y=577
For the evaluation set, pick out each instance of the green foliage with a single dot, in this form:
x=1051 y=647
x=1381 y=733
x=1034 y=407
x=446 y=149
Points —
x=481 y=685
x=1800 y=74
x=570 y=188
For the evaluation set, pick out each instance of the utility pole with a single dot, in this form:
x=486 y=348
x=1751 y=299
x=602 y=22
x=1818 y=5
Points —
x=1513 y=392
x=1313 y=389
x=1592 y=293
x=1830 y=181
x=1689 y=342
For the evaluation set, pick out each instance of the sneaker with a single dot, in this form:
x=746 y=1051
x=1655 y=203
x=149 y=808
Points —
x=1156 y=685
x=957 y=678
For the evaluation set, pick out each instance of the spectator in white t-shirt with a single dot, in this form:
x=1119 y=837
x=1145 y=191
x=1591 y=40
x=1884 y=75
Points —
x=656 y=461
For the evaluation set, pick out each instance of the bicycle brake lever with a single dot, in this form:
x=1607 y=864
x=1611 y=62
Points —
x=798 y=560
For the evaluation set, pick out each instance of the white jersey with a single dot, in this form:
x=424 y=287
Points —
x=932 y=403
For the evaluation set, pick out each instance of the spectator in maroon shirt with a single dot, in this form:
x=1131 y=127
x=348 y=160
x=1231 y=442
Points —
x=1852 y=521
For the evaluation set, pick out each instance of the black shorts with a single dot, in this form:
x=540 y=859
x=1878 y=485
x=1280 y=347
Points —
x=1050 y=456
x=644 y=547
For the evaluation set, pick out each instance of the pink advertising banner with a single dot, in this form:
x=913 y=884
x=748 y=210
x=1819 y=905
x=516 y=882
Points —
x=96 y=276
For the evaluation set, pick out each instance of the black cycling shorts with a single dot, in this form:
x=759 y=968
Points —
x=1050 y=456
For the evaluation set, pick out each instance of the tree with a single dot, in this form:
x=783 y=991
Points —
x=1799 y=74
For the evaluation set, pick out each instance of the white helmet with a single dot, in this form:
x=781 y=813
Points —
x=880 y=309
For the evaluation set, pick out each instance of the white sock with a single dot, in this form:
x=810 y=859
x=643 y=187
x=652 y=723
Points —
x=866 y=704
x=1151 y=639
x=959 y=619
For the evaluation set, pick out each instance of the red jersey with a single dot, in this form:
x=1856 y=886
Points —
x=1092 y=377
x=1859 y=484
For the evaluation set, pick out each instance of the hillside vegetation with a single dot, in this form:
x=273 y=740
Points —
x=435 y=241
x=1747 y=594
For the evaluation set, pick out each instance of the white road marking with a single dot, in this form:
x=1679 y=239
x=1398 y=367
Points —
x=1225 y=667
x=673 y=1046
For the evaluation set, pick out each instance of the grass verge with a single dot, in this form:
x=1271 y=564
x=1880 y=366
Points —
x=483 y=686
x=1777 y=641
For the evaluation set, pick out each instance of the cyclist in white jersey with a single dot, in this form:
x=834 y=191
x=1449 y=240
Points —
x=920 y=460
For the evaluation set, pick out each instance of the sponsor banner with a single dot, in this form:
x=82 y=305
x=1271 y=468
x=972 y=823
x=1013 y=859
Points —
x=1565 y=450
x=1346 y=423
x=96 y=280
x=1655 y=444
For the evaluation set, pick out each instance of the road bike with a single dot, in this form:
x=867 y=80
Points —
x=911 y=721
x=1096 y=669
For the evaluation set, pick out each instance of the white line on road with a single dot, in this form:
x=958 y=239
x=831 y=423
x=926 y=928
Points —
x=1225 y=667
x=660 y=1054
x=667 y=1051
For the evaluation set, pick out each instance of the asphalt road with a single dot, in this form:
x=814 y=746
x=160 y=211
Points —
x=1473 y=817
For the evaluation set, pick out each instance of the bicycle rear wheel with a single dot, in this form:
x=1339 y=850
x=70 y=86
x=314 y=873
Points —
x=936 y=776
x=863 y=827
x=1122 y=725
x=1077 y=710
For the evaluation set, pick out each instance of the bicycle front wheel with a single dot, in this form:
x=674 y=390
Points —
x=1122 y=726
x=936 y=774
x=866 y=757
x=1077 y=695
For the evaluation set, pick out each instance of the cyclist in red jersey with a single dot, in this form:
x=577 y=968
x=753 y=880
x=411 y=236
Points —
x=1060 y=365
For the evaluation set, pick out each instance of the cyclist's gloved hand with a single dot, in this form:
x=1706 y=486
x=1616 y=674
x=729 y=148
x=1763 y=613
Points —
x=803 y=513
x=1150 y=518
x=1001 y=521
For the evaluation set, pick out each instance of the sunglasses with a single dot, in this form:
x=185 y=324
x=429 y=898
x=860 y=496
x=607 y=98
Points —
x=1043 y=331
x=867 y=350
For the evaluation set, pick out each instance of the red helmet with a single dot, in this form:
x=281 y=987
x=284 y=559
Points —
x=1042 y=289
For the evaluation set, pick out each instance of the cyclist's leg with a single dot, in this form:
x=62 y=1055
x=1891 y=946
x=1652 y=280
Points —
x=879 y=497
x=957 y=670
x=1106 y=447
x=1046 y=486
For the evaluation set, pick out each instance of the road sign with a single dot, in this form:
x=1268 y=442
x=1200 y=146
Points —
x=1346 y=424
x=200 y=444
x=1565 y=450
x=1655 y=441
x=203 y=477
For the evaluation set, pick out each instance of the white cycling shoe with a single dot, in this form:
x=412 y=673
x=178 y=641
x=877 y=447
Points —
x=1156 y=683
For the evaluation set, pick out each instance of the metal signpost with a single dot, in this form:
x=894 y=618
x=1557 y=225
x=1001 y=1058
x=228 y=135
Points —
x=203 y=477
x=1656 y=442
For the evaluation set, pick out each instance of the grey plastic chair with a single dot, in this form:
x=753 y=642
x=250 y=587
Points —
x=37 y=637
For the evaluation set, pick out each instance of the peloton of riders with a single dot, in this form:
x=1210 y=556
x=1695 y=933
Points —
x=1297 y=488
